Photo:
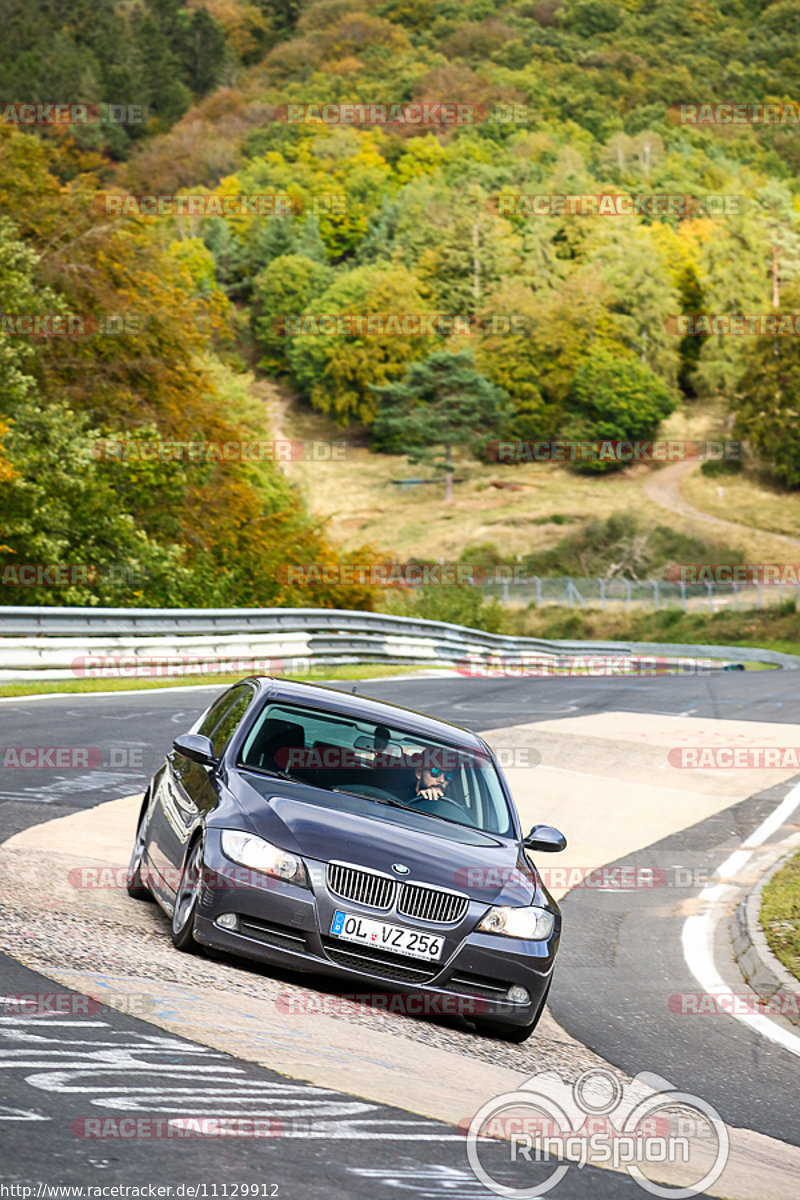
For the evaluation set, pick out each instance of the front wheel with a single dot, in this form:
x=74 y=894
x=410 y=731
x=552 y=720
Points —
x=134 y=882
x=187 y=900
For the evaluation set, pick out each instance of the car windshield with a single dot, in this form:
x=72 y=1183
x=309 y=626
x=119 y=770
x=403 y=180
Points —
x=381 y=763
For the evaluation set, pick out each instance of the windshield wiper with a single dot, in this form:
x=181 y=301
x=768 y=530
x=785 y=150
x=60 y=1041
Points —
x=277 y=774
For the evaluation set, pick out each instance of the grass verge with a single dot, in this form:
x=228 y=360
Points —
x=776 y=628
x=318 y=675
x=780 y=914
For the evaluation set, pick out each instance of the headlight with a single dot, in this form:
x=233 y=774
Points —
x=531 y=923
x=260 y=855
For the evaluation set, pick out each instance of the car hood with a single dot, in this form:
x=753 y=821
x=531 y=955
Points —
x=323 y=826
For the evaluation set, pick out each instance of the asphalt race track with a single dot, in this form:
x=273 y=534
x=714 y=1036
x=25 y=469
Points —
x=620 y=961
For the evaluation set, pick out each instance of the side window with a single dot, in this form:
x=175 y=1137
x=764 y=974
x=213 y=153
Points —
x=218 y=710
x=227 y=726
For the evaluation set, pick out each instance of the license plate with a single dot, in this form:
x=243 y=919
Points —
x=383 y=936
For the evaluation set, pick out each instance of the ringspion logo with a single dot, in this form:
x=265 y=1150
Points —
x=631 y=1127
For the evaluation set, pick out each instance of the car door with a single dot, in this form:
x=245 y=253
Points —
x=187 y=789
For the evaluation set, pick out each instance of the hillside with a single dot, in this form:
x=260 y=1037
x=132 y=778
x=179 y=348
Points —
x=402 y=160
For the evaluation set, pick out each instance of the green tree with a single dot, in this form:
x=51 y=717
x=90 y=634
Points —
x=440 y=404
x=615 y=399
x=768 y=400
x=288 y=286
x=336 y=371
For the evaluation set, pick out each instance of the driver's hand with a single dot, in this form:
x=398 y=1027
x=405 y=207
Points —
x=430 y=793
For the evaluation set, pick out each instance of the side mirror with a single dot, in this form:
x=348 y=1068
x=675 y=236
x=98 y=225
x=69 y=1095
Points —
x=545 y=838
x=196 y=747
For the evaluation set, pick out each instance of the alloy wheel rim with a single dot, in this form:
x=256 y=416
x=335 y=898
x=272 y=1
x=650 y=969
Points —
x=190 y=887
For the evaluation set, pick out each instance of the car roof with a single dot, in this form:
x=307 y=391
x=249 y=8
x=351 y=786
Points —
x=365 y=708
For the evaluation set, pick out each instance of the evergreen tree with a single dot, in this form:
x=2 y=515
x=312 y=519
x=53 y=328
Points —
x=439 y=405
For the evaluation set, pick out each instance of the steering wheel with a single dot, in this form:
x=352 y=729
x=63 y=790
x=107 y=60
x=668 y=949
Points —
x=463 y=816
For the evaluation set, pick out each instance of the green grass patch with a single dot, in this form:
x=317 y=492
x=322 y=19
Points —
x=320 y=675
x=780 y=914
x=776 y=628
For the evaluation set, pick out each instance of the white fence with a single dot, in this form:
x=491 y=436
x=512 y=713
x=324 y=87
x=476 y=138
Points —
x=654 y=594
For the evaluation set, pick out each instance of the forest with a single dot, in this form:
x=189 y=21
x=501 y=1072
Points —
x=238 y=170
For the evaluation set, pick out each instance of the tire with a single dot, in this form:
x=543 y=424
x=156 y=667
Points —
x=513 y=1033
x=187 y=899
x=134 y=884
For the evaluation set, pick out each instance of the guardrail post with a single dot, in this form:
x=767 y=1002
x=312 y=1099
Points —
x=655 y=593
x=602 y=583
x=710 y=587
x=628 y=595
x=683 y=596
x=758 y=591
x=735 y=597
x=538 y=591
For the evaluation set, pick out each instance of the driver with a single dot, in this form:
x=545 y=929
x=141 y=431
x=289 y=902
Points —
x=431 y=783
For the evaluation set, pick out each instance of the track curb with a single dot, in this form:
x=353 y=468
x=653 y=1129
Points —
x=760 y=968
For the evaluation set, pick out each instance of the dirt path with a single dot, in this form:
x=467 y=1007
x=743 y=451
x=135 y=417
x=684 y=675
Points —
x=664 y=488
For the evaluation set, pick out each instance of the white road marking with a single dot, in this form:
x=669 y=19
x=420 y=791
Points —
x=155 y=1073
x=19 y=1114
x=697 y=937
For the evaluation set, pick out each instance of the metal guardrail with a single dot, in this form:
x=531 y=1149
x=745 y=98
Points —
x=60 y=643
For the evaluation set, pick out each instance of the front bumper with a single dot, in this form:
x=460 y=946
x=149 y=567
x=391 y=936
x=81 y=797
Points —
x=286 y=925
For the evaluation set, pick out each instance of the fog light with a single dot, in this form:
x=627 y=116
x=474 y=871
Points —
x=519 y=995
x=227 y=921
